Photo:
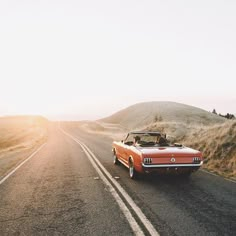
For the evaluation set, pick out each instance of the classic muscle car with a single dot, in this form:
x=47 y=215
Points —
x=146 y=152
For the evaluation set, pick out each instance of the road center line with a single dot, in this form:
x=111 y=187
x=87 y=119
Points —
x=134 y=225
x=21 y=164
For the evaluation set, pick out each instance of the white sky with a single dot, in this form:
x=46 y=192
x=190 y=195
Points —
x=88 y=59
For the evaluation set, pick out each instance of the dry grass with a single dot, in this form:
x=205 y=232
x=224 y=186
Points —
x=217 y=143
x=18 y=137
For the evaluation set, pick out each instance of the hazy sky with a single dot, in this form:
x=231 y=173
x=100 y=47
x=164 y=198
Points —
x=87 y=59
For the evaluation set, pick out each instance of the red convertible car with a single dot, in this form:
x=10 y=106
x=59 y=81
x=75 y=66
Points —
x=146 y=152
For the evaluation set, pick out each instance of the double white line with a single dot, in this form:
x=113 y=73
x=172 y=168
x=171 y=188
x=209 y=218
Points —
x=117 y=191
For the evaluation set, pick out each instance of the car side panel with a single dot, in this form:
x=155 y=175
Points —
x=121 y=151
x=137 y=157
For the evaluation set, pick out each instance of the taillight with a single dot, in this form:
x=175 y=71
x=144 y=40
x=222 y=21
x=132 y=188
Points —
x=147 y=160
x=196 y=160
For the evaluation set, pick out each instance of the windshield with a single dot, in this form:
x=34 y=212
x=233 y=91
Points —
x=146 y=139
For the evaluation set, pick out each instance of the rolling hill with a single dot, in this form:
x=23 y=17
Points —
x=144 y=114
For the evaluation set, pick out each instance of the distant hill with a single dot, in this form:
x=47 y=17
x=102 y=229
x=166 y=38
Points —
x=21 y=131
x=143 y=114
x=22 y=119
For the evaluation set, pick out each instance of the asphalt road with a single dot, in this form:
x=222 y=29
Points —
x=58 y=192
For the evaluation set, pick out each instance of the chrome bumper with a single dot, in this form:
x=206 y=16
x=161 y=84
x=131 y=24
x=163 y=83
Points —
x=172 y=165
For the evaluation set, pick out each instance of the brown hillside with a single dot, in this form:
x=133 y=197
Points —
x=21 y=131
x=143 y=114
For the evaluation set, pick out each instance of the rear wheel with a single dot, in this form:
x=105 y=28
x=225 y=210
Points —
x=132 y=172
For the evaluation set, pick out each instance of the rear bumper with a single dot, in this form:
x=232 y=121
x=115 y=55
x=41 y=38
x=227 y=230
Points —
x=171 y=168
x=172 y=165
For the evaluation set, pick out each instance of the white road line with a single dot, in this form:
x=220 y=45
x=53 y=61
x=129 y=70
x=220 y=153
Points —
x=21 y=164
x=147 y=224
x=208 y=172
x=133 y=224
x=231 y=180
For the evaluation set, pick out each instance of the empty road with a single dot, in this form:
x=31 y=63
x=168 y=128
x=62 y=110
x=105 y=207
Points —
x=65 y=190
